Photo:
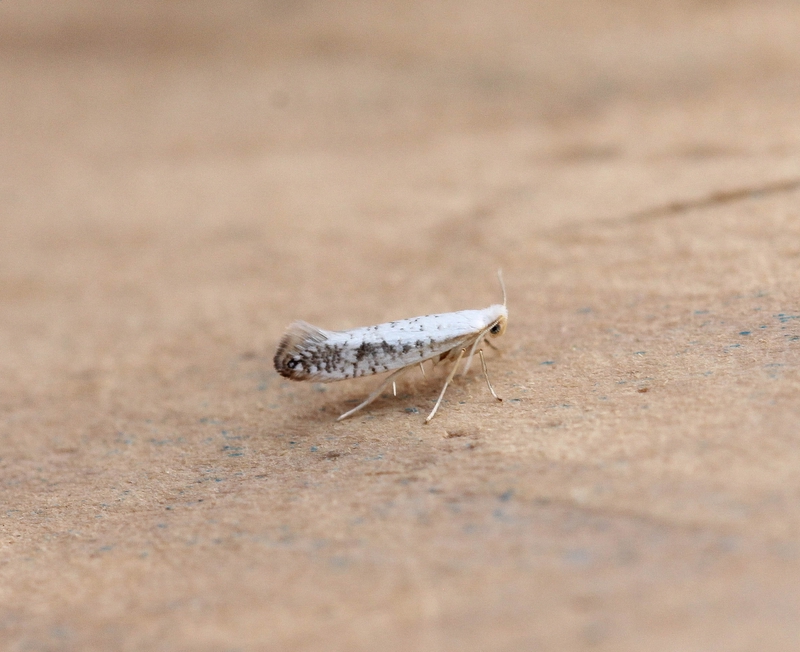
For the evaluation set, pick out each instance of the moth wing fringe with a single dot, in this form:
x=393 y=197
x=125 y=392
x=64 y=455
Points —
x=298 y=337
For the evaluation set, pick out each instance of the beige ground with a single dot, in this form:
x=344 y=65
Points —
x=180 y=180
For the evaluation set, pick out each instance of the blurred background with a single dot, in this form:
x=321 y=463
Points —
x=179 y=180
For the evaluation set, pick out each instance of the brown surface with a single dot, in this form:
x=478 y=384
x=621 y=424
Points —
x=178 y=181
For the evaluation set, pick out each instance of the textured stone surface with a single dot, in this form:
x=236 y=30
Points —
x=179 y=181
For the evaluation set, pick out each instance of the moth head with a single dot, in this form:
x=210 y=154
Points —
x=499 y=326
x=496 y=319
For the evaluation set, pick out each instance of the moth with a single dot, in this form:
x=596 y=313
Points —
x=309 y=353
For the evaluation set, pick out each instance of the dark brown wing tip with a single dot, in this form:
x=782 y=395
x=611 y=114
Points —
x=288 y=357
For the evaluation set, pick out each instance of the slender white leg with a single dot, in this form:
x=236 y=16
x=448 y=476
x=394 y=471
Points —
x=394 y=389
x=486 y=375
x=422 y=369
x=446 y=383
x=389 y=379
x=472 y=350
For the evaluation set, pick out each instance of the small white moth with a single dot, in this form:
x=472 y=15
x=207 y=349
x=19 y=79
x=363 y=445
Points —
x=309 y=353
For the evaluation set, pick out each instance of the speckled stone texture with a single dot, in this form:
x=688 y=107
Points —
x=181 y=180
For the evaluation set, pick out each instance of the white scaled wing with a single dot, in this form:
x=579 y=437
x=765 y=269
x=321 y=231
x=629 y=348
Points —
x=310 y=353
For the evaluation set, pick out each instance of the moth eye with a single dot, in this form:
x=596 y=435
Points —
x=494 y=330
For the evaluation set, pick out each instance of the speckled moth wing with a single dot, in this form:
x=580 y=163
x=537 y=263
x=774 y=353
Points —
x=310 y=353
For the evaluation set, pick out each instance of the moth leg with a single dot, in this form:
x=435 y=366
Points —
x=486 y=375
x=422 y=369
x=446 y=383
x=475 y=344
x=389 y=379
x=394 y=389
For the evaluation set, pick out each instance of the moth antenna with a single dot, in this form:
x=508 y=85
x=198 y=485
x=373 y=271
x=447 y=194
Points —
x=502 y=285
